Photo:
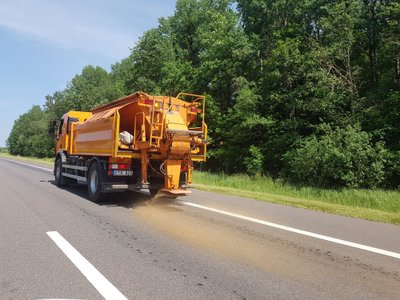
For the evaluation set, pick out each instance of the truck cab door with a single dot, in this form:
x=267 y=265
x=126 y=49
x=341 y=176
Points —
x=61 y=135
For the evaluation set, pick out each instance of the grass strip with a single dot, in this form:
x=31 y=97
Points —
x=374 y=205
x=46 y=160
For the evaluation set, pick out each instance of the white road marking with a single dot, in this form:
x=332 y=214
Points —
x=298 y=231
x=102 y=285
x=29 y=165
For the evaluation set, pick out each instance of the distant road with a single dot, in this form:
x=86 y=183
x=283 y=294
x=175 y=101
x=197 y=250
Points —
x=54 y=243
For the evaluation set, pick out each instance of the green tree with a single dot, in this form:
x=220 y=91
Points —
x=93 y=87
x=153 y=51
x=90 y=88
x=225 y=53
x=29 y=135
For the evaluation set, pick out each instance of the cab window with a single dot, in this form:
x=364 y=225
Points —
x=71 y=120
x=60 y=127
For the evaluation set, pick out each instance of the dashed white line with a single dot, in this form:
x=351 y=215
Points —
x=102 y=285
x=298 y=231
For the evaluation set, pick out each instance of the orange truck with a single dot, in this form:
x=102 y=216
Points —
x=133 y=143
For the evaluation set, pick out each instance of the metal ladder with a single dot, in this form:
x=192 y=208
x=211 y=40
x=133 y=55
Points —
x=156 y=124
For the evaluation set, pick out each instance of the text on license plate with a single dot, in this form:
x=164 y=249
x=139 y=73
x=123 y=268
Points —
x=122 y=173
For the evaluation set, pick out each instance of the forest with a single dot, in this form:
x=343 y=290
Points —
x=304 y=91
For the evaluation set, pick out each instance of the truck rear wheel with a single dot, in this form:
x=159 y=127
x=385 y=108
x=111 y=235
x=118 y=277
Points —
x=95 y=179
x=154 y=191
x=156 y=184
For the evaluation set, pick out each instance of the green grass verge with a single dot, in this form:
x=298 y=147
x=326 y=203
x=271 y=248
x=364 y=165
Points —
x=374 y=205
x=46 y=160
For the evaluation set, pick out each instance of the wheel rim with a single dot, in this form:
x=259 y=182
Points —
x=94 y=181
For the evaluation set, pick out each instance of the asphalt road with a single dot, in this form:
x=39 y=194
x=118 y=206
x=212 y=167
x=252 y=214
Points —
x=173 y=249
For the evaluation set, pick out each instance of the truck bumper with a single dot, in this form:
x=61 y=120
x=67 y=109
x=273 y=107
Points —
x=123 y=187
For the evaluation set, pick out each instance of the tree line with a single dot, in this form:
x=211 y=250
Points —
x=307 y=91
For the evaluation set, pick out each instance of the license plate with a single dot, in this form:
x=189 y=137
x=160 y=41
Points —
x=122 y=173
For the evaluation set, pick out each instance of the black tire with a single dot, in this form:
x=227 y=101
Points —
x=58 y=178
x=95 y=179
x=154 y=191
x=156 y=184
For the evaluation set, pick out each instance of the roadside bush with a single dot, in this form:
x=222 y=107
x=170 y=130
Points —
x=393 y=169
x=340 y=158
x=254 y=162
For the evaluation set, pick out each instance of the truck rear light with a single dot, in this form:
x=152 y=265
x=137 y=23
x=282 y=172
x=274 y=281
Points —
x=123 y=166
x=119 y=166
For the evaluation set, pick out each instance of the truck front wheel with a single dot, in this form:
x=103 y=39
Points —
x=58 y=178
x=95 y=180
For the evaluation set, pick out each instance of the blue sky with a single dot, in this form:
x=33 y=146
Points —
x=44 y=43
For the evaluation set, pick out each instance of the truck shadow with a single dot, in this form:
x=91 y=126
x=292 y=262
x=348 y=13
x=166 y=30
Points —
x=130 y=199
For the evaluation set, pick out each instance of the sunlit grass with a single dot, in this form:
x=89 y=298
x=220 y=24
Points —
x=45 y=160
x=377 y=205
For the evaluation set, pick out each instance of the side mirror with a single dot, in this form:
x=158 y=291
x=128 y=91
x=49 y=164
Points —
x=52 y=128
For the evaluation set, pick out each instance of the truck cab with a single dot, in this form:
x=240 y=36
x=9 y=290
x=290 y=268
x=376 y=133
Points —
x=62 y=135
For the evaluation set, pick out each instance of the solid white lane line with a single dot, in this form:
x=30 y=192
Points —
x=29 y=165
x=298 y=231
x=102 y=285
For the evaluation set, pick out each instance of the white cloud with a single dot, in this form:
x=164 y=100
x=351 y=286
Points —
x=82 y=25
